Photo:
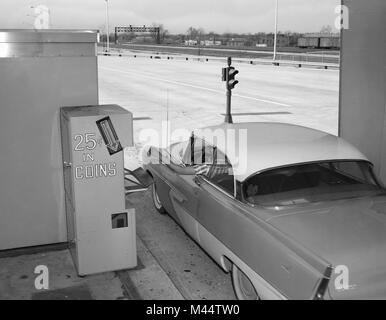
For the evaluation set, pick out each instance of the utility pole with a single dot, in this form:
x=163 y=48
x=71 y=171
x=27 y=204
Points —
x=275 y=38
x=107 y=26
x=228 y=75
x=158 y=35
x=199 y=43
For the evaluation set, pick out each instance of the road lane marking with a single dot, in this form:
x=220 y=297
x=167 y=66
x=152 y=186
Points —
x=266 y=113
x=178 y=83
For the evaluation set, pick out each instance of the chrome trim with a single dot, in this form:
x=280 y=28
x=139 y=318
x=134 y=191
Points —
x=218 y=188
x=166 y=181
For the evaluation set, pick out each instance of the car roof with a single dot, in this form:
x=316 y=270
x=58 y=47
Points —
x=270 y=145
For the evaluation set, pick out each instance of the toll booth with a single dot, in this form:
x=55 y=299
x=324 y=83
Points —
x=362 y=110
x=40 y=71
x=101 y=232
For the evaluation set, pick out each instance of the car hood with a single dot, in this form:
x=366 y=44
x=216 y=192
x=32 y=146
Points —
x=350 y=233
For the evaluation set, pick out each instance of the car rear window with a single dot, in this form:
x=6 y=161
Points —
x=313 y=182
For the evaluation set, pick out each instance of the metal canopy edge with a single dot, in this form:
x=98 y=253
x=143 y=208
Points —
x=47 y=35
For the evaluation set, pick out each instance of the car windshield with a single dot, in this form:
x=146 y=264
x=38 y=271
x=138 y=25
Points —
x=313 y=182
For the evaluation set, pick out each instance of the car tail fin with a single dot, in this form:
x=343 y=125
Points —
x=323 y=284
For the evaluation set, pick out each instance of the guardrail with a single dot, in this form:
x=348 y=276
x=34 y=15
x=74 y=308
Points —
x=304 y=55
x=262 y=61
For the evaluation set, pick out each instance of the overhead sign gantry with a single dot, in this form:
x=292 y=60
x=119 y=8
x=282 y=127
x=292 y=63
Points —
x=134 y=29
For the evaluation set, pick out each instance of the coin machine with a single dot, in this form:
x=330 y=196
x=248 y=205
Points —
x=100 y=231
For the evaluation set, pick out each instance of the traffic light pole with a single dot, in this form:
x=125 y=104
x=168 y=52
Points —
x=228 y=75
x=228 y=114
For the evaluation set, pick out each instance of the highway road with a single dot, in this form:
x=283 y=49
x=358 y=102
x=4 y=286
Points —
x=190 y=94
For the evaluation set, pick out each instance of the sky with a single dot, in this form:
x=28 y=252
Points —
x=238 y=16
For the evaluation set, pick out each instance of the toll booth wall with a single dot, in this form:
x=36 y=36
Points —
x=363 y=80
x=40 y=71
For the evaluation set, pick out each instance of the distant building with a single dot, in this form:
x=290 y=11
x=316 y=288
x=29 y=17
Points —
x=191 y=42
x=210 y=43
x=237 y=42
x=267 y=40
x=207 y=43
x=222 y=40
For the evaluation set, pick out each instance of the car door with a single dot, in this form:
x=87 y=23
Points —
x=162 y=176
x=216 y=194
x=165 y=178
x=217 y=202
x=184 y=192
x=184 y=197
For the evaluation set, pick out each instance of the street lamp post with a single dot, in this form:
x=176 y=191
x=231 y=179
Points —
x=275 y=39
x=107 y=25
x=199 y=43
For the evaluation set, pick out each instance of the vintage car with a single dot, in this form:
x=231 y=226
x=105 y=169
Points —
x=304 y=216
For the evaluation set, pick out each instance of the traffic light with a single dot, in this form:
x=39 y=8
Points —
x=228 y=74
x=231 y=82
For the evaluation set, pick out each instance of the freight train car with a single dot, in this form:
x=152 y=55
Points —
x=329 y=42
x=308 y=42
x=319 y=41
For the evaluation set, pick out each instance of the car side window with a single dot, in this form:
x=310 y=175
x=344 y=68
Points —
x=203 y=153
x=187 y=157
x=219 y=169
x=222 y=176
x=177 y=151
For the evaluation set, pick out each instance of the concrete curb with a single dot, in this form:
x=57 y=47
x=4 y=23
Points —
x=150 y=282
